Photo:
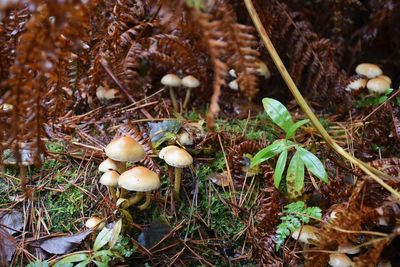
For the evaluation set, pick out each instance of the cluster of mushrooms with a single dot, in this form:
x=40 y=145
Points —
x=138 y=178
x=261 y=70
x=173 y=81
x=369 y=76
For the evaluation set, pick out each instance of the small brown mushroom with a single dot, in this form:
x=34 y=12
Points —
x=369 y=70
x=171 y=81
x=190 y=82
x=378 y=86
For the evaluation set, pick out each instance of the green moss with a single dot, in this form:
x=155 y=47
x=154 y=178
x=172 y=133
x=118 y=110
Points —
x=64 y=208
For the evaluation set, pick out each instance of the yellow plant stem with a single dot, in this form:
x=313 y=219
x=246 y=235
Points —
x=146 y=204
x=369 y=170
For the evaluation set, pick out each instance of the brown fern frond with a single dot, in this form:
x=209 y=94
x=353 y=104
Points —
x=238 y=162
x=241 y=53
x=310 y=59
x=214 y=38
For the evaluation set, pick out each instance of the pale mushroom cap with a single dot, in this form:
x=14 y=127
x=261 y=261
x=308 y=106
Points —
x=139 y=179
x=108 y=164
x=357 y=84
x=178 y=158
x=307 y=234
x=190 y=81
x=6 y=107
x=378 y=86
x=234 y=85
x=94 y=222
x=348 y=248
x=125 y=149
x=339 y=260
x=387 y=78
x=171 y=80
x=185 y=139
x=164 y=151
x=369 y=70
x=109 y=178
x=232 y=72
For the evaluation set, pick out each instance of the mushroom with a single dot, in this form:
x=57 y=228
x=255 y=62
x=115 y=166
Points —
x=378 y=86
x=178 y=158
x=233 y=85
x=105 y=94
x=110 y=179
x=348 y=248
x=387 y=78
x=95 y=223
x=305 y=234
x=232 y=72
x=369 y=70
x=139 y=179
x=356 y=83
x=125 y=149
x=339 y=260
x=163 y=151
x=190 y=82
x=108 y=164
x=171 y=81
x=185 y=139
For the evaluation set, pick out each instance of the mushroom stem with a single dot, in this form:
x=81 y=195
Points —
x=146 y=204
x=132 y=200
x=177 y=183
x=187 y=98
x=112 y=191
x=173 y=98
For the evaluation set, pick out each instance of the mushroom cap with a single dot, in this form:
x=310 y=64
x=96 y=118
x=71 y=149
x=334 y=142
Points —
x=356 y=83
x=178 y=158
x=164 y=151
x=125 y=148
x=378 y=86
x=369 y=70
x=6 y=107
x=185 y=139
x=232 y=72
x=387 y=78
x=348 y=248
x=307 y=234
x=108 y=164
x=109 y=178
x=190 y=81
x=171 y=80
x=139 y=179
x=233 y=85
x=94 y=222
x=339 y=260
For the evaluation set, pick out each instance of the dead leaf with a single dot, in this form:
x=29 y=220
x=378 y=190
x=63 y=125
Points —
x=11 y=221
x=64 y=244
x=8 y=245
x=153 y=234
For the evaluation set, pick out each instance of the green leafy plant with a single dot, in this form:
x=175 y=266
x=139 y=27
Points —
x=100 y=257
x=295 y=214
x=301 y=159
x=373 y=100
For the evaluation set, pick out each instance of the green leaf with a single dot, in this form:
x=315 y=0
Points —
x=292 y=130
x=73 y=258
x=83 y=263
x=102 y=238
x=295 y=176
x=279 y=168
x=115 y=233
x=278 y=113
x=313 y=164
x=267 y=153
x=100 y=264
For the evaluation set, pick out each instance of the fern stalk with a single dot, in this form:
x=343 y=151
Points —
x=369 y=170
